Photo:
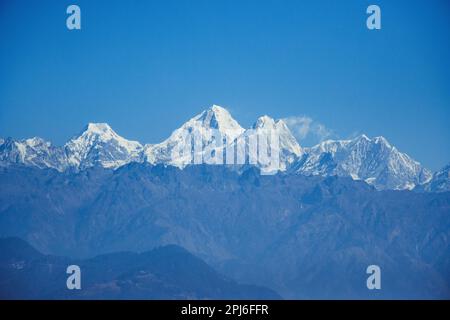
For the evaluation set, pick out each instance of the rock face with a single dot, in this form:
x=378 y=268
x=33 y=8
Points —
x=375 y=161
x=273 y=138
x=99 y=145
x=440 y=181
x=96 y=145
x=220 y=137
x=34 y=152
x=167 y=272
x=213 y=120
x=302 y=236
x=308 y=231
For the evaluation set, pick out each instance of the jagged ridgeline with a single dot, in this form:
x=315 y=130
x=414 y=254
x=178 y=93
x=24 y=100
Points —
x=374 y=161
x=166 y=272
x=308 y=231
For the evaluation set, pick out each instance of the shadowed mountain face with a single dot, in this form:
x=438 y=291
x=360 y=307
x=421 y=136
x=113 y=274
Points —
x=439 y=183
x=168 y=272
x=304 y=237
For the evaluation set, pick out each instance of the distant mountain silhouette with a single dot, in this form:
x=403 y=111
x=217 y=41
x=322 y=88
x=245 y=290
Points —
x=168 y=272
x=374 y=161
x=304 y=237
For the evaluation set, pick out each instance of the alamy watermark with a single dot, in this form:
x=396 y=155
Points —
x=373 y=22
x=73 y=282
x=260 y=147
x=73 y=22
x=374 y=280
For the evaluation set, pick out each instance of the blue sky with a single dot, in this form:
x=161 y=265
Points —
x=145 y=67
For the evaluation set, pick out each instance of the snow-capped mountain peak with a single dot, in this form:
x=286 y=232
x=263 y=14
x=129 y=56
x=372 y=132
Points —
x=363 y=137
x=218 y=118
x=374 y=160
x=286 y=147
x=287 y=140
x=36 y=141
x=214 y=120
x=440 y=181
x=265 y=122
x=99 y=144
x=381 y=140
x=35 y=152
x=99 y=129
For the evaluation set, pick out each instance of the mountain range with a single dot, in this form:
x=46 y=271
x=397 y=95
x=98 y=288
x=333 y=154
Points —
x=304 y=228
x=167 y=272
x=374 y=161
x=439 y=183
x=302 y=236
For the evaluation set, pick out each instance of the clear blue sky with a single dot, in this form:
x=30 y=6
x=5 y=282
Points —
x=147 y=66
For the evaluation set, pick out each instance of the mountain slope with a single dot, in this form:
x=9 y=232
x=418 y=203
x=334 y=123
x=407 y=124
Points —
x=326 y=231
x=168 y=272
x=34 y=152
x=213 y=121
x=96 y=145
x=375 y=161
x=440 y=182
x=99 y=145
x=268 y=145
x=214 y=137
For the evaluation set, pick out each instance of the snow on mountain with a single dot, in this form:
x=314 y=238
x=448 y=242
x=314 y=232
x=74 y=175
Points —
x=287 y=143
x=33 y=152
x=440 y=182
x=214 y=134
x=220 y=134
x=215 y=120
x=98 y=144
x=375 y=161
x=274 y=147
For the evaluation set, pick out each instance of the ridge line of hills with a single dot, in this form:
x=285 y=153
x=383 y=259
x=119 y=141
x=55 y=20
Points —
x=165 y=272
x=374 y=161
